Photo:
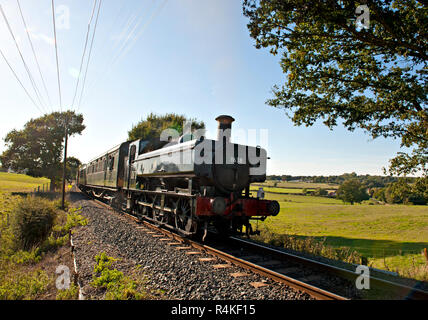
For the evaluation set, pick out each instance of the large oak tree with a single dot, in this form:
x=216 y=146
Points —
x=340 y=72
x=38 y=148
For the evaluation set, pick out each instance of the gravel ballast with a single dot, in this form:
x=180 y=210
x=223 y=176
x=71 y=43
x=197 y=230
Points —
x=171 y=273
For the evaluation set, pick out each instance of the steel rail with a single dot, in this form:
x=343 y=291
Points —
x=410 y=293
x=313 y=291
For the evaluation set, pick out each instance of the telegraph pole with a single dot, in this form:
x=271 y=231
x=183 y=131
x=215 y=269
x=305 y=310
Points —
x=65 y=163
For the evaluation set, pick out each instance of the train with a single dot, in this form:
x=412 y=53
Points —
x=189 y=185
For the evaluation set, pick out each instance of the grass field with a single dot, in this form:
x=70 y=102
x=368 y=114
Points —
x=391 y=236
x=13 y=182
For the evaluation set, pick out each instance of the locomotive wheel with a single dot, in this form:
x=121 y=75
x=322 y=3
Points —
x=145 y=211
x=158 y=215
x=183 y=216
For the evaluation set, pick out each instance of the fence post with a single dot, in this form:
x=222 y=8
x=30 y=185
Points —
x=38 y=189
x=426 y=255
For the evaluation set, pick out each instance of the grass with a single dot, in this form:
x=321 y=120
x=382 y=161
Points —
x=30 y=274
x=14 y=182
x=390 y=236
x=116 y=285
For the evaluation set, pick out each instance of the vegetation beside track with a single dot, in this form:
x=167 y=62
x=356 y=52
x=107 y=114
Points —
x=391 y=237
x=34 y=241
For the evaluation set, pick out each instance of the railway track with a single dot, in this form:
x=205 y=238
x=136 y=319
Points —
x=320 y=280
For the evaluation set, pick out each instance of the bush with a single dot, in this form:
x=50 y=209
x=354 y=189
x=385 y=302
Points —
x=352 y=191
x=320 y=192
x=32 y=221
x=26 y=286
x=116 y=284
x=308 y=245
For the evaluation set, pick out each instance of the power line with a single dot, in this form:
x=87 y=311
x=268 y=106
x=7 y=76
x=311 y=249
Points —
x=153 y=15
x=123 y=50
x=90 y=52
x=56 y=54
x=84 y=51
x=34 y=52
x=17 y=78
x=22 y=59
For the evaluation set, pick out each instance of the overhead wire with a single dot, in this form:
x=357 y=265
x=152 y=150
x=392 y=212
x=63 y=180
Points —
x=19 y=81
x=36 y=90
x=90 y=52
x=84 y=52
x=144 y=27
x=34 y=52
x=130 y=36
x=56 y=55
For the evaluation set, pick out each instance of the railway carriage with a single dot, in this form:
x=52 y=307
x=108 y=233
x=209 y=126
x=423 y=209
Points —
x=187 y=186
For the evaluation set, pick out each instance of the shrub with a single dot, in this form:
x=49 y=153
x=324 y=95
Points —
x=308 y=245
x=320 y=192
x=23 y=285
x=69 y=294
x=32 y=221
x=352 y=191
x=117 y=286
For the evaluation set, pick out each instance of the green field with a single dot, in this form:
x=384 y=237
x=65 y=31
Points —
x=13 y=182
x=391 y=236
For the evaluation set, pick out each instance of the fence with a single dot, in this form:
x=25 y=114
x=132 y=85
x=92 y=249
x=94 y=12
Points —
x=44 y=188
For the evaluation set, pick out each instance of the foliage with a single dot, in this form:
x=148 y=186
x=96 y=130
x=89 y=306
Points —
x=320 y=192
x=32 y=221
x=308 y=245
x=352 y=191
x=72 y=166
x=69 y=294
x=402 y=192
x=38 y=147
x=367 y=180
x=19 y=286
x=117 y=286
x=151 y=128
x=337 y=71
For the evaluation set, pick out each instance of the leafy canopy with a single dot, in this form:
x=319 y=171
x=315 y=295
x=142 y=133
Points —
x=38 y=147
x=352 y=191
x=374 y=78
x=151 y=128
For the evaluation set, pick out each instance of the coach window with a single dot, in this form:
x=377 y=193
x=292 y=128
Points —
x=111 y=163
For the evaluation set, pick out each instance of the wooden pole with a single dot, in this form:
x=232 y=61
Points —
x=64 y=166
x=426 y=254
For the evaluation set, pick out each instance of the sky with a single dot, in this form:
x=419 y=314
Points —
x=191 y=57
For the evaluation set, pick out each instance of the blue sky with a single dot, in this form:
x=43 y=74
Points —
x=192 y=57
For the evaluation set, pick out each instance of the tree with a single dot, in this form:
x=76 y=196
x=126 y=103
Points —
x=320 y=192
x=73 y=165
x=352 y=191
x=403 y=192
x=38 y=147
x=374 y=78
x=151 y=128
x=398 y=192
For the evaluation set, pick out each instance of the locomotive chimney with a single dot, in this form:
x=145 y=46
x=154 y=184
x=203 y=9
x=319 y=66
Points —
x=224 y=127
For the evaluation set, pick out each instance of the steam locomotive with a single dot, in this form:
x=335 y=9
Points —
x=189 y=185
